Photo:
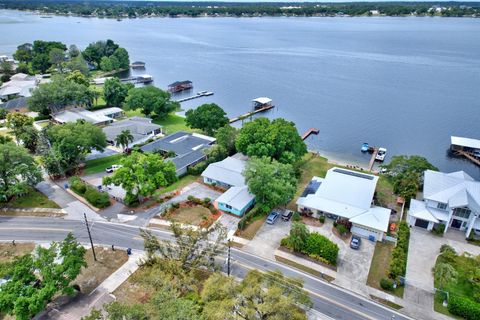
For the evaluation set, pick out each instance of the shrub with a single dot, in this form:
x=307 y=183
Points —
x=342 y=229
x=321 y=219
x=198 y=168
x=96 y=198
x=77 y=185
x=285 y=242
x=296 y=217
x=191 y=198
x=131 y=200
x=464 y=307
x=438 y=229
x=386 y=284
x=321 y=246
x=445 y=248
x=175 y=205
x=206 y=201
x=398 y=264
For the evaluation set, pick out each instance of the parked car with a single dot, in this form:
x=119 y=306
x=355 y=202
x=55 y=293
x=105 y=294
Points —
x=113 y=168
x=272 y=217
x=287 y=215
x=355 y=242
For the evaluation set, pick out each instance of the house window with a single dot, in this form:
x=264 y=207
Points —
x=441 y=206
x=228 y=206
x=462 y=212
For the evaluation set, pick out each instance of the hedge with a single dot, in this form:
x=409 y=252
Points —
x=464 y=307
x=398 y=265
x=248 y=217
x=386 y=284
x=317 y=247
x=92 y=195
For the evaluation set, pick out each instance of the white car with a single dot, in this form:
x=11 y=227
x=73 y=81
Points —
x=382 y=152
x=113 y=168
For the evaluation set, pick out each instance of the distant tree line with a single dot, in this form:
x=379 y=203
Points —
x=133 y=9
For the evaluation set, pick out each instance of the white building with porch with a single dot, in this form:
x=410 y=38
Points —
x=347 y=194
x=451 y=199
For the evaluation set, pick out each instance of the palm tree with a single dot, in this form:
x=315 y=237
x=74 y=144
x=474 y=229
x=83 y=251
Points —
x=123 y=139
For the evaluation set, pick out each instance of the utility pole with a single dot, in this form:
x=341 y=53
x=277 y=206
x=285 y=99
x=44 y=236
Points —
x=228 y=259
x=90 y=236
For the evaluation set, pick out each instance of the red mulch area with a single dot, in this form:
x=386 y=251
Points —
x=310 y=221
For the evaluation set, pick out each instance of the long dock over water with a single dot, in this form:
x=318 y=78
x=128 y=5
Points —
x=251 y=113
x=468 y=155
x=372 y=159
x=310 y=132
x=198 y=95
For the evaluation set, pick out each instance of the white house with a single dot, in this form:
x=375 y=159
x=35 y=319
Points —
x=452 y=199
x=347 y=194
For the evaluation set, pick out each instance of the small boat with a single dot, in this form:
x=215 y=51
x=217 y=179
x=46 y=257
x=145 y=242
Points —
x=382 y=152
x=364 y=147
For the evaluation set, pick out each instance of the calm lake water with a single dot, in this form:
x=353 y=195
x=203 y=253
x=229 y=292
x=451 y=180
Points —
x=407 y=84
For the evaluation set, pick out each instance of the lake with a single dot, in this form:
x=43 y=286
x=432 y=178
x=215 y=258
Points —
x=406 y=84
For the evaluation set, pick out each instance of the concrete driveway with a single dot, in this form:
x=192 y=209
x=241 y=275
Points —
x=352 y=265
x=267 y=239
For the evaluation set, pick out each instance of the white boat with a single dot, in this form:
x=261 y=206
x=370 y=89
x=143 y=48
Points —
x=382 y=152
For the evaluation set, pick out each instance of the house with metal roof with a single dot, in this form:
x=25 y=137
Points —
x=228 y=174
x=347 y=194
x=451 y=199
x=188 y=148
x=20 y=85
x=98 y=117
x=140 y=128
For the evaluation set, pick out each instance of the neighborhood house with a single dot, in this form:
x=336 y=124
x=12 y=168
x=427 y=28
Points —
x=186 y=149
x=349 y=195
x=451 y=199
x=228 y=174
x=140 y=128
x=98 y=117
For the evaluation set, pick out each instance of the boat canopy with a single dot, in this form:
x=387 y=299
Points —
x=262 y=100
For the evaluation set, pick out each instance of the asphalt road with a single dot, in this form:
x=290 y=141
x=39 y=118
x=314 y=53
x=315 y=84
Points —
x=328 y=299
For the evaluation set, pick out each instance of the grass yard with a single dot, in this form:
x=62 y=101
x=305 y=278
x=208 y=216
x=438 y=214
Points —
x=172 y=123
x=99 y=165
x=380 y=265
x=385 y=195
x=108 y=261
x=301 y=267
x=134 y=113
x=33 y=199
x=190 y=215
x=182 y=182
x=252 y=229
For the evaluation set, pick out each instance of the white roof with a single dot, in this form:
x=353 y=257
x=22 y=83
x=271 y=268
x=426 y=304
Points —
x=9 y=90
x=376 y=218
x=457 y=189
x=80 y=114
x=20 y=76
x=262 y=100
x=228 y=171
x=348 y=194
x=107 y=111
x=465 y=142
x=418 y=209
x=237 y=197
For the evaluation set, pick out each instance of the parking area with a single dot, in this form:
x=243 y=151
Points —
x=267 y=239
x=423 y=250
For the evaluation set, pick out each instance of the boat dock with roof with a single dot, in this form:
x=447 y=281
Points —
x=467 y=147
x=259 y=105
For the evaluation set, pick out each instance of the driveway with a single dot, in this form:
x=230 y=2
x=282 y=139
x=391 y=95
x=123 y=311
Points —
x=352 y=265
x=267 y=239
x=423 y=250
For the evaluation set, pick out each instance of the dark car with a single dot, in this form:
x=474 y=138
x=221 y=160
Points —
x=272 y=217
x=287 y=215
x=355 y=242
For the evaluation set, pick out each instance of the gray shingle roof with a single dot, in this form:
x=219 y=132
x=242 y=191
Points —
x=138 y=127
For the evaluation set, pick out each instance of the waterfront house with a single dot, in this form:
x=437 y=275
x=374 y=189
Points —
x=140 y=128
x=228 y=174
x=451 y=199
x=98 y=117
x=347 y=194
x=185 y=149
x=20 y=85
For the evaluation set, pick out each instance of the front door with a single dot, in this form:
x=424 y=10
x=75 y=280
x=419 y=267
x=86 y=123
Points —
x=457 y=224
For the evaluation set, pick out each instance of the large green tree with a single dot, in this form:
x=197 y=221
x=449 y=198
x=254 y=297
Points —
x=298 y=236
x=226 y=137
x=277 y=139
x=18 y=122
x=18 y=171
x=69 y=144
x=151 y=100
x=123 y=60
x=273 y=183
x=24 y=53
x=115 y=92
x=78 y=77
x=57 y=58
x=141 y=174
x=208 y=117
x=257 y=296
x=56 y=95
x=35 y=279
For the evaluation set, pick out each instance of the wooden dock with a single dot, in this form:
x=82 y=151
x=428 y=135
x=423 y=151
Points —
x=372 y=159
x=198 y=95
x=469 y=156
x=251 y=113
x=310 y=132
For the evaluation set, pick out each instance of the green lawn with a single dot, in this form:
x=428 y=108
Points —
x=134 y=113
x=182 y=182
x=380 y=265
x=33 y=199
x=172 y=123
x=99 y=165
